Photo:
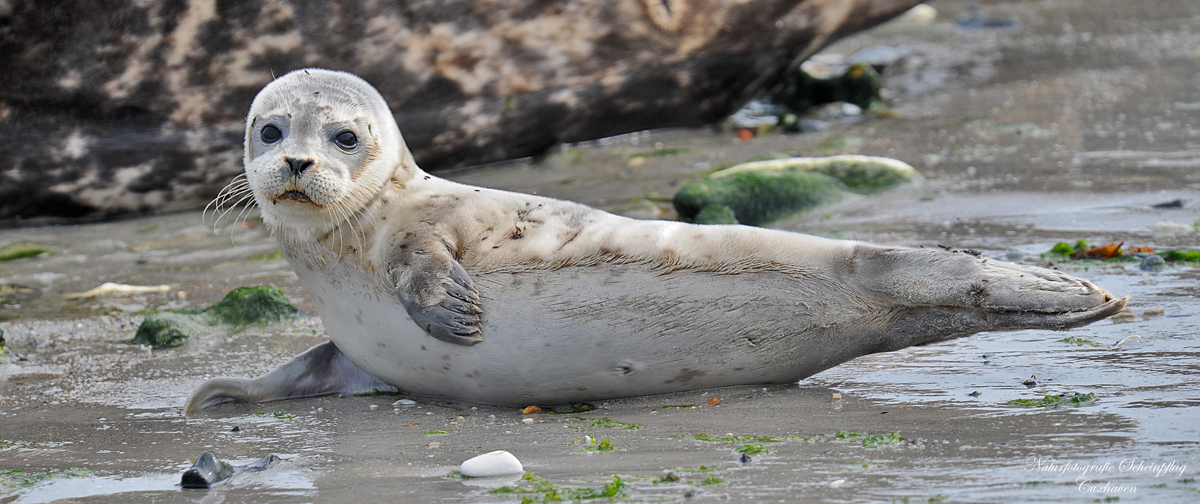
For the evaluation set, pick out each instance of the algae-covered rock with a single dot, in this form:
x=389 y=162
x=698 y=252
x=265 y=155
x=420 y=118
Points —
x=159 y=332
x=715 y=214
x=242 y=307
x=22 y=250
x=758 y=192
x=861 y=174
x=756 y=197
x=246 y=306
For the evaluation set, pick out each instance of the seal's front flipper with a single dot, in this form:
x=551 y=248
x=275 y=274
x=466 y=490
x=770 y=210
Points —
x=321 y=370
x=456 y=319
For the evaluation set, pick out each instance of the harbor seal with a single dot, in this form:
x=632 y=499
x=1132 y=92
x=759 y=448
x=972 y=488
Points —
x=437 y=288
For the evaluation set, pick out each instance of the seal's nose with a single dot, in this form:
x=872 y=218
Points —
x=297 y=166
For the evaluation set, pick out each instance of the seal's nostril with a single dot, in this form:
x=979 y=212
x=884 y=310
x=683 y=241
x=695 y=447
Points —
x=298 y=166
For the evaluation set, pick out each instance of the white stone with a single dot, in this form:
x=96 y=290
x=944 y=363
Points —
x=495 y=463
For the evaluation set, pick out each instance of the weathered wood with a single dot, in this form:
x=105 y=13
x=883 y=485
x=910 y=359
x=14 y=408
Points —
x=121 y=106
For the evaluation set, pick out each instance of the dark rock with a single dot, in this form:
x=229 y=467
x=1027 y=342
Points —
x=1175 y=203
x=127 y=106
x=159 y=332
x=208 y=470
x=858 y=84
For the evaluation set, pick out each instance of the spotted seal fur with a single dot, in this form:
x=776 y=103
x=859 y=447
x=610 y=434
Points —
x=438 y=288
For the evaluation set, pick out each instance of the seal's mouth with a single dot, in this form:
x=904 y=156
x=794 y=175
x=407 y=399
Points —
x=293 y=195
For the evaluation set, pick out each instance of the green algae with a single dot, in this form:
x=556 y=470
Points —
x=1181 y=255
x=1051 y=401
x=22 y=250
x=541 y=490
x=16 y=479
x=590 y=444
x=753 y=449
x=700 y=469
x=1077 y=341
x=276 y=414
x=610 y=423
x=731 y=438
x=870 y=440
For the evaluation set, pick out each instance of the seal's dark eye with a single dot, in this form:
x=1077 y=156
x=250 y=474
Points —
x=270 y=134
x=346 y=140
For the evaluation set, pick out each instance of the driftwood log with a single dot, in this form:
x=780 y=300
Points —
x=119 y=106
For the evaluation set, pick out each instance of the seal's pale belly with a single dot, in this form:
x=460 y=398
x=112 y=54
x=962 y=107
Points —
x=575 y=334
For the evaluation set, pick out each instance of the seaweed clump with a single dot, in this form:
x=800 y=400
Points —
x=22 y=250
x=246 y=306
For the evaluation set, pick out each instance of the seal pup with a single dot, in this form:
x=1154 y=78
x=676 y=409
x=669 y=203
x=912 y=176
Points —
x=438 y=288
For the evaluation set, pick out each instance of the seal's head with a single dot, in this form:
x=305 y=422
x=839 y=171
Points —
x=320 y=145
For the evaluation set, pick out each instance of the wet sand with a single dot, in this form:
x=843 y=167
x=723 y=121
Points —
x=1073 y=123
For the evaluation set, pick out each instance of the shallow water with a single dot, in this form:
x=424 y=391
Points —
x=1073 y=123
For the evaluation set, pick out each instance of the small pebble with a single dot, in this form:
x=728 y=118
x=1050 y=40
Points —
x=404 y=403
x=1153 y=262
x=373 y=406
x=837 y=483
x=974 y=394
x=235 y=429
x=837 y=395
x=527 y=421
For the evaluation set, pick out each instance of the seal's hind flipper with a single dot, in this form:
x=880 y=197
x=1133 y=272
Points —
x=321 y=370
x=454 y=320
